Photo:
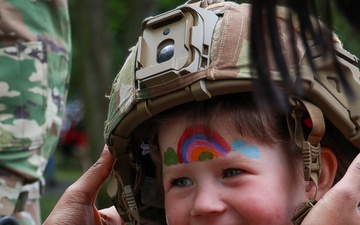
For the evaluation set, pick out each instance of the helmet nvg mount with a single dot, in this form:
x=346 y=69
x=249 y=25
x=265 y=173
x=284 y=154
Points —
x=191 y=54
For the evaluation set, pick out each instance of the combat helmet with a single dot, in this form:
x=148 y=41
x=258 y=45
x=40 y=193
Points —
x=198 y=51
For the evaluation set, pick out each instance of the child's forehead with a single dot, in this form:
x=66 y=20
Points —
x=198 y=142
x=220 y=122
x=184 y=132
x=232 y=115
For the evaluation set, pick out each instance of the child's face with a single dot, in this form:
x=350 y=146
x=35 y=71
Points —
x=220 y=177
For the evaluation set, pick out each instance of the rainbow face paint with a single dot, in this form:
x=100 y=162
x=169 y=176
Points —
x=198 y=143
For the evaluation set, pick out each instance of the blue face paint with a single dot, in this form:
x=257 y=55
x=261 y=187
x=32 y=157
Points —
x=249 y=151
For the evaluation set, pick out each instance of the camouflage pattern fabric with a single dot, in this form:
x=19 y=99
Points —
x=34 y=73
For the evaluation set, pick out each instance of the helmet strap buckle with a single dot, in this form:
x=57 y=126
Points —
x=310 y=147
x=130 y=204
x=301 y=211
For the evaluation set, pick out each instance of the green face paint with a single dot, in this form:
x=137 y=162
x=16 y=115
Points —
x=205 y=156
x=170 y=157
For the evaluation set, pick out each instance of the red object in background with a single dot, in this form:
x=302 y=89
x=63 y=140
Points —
x=73 y=138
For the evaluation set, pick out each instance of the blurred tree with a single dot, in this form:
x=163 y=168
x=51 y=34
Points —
x=92 y=65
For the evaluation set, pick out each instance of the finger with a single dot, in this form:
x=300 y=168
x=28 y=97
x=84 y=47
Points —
x=91 y=181
x=340 y=204
x=349 y=185
x=352 y=175
x=214 y=1
x=345 y=196
x=111 y=216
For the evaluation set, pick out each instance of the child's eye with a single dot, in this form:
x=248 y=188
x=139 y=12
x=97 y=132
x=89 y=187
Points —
x=232 y=172
x=181 y=182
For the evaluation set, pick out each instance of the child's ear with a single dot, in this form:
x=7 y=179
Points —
x=329 y=166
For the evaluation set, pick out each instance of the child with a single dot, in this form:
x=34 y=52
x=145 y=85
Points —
x=192 y=141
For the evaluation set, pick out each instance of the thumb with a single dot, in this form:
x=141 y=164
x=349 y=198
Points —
x=340 y=204
x=76 y=205
x=352 y=175
x=91 y=181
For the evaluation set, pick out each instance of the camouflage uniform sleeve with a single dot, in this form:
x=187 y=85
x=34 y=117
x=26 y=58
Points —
x=34 y=73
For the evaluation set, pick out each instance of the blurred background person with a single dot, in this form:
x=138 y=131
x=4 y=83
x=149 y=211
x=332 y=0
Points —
x=73 y=139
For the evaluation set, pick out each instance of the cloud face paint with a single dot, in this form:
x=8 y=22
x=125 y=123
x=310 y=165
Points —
x=247 y=150
x=199 y=143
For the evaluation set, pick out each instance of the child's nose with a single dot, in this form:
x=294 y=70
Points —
x=207 y=200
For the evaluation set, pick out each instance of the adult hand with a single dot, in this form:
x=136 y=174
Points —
x=204 y=3
x=76 y=206
x=340 y=205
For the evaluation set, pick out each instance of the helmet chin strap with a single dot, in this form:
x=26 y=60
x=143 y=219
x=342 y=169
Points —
x=310 y=147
